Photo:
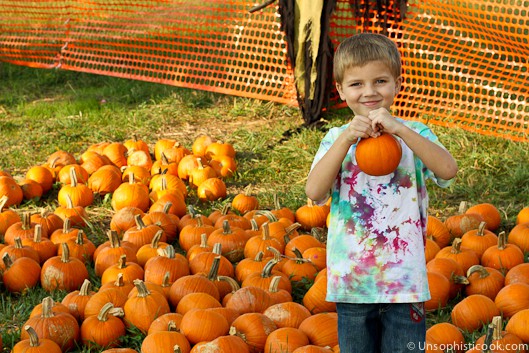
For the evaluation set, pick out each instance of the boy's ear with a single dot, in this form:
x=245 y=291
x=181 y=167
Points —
x=398 y=85
x=339 y=89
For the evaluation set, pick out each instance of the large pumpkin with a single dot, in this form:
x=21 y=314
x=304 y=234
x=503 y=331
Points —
x=378 y=155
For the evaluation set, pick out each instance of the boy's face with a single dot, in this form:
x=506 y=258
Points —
x=369 y=87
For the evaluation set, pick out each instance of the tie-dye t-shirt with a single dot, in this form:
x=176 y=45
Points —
x=375 y=243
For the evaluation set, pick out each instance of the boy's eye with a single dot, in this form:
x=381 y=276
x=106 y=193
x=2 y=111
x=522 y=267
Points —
x=381 y=81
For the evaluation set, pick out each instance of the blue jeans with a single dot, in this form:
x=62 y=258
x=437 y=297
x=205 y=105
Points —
x=381 y=328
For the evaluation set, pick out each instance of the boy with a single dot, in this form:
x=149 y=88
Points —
x=375 y=265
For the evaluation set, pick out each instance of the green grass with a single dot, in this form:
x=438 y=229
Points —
x=42 y=111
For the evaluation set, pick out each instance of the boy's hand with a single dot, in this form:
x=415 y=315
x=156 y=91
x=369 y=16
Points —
x=360 y=127
x=382 y=120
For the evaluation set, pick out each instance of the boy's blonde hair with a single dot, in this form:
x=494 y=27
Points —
x=363 y=48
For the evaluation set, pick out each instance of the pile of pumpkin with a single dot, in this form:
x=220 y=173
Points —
x=189 y=282
x=468 y=259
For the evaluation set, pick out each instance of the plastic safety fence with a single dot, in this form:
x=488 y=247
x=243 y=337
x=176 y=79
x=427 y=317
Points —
x=213 y=45
x=465 y=62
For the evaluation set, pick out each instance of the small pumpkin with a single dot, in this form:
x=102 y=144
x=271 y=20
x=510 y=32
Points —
x=378 y=156
x=203 y=325
x=253 y=328
x=473 y=312
x=144 y=307
x=502 y=256
x=212 y=189
x=34 y=344
x=518 y=324
x=63 y=272
x=60 y=327
x=245 y=201
x=103 y=329
x=285 y=339
x=490 y=214
x=312 y=215
x=20 y=274
x=484 y=280
x=512 y=298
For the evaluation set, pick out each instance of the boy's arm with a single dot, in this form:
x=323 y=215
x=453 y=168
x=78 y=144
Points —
x=322 y=176
x=434 y=157
x=324 y=173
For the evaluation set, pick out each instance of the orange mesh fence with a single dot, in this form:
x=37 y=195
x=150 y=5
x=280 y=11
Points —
x=465 y=62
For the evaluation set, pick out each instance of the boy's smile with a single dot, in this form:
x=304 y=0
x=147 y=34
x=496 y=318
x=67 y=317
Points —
x=369 y=87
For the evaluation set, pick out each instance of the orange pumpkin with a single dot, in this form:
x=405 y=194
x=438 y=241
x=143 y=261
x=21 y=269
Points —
x=503 y=256
x=473 y=312
x=34 y=344
x=490 y=214
x=445 y=333
x=378 y=155
x=285 y=339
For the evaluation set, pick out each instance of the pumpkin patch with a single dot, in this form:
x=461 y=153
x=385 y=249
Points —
x=243 y=276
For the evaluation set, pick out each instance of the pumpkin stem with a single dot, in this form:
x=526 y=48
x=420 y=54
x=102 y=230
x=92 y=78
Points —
x=119 y=280
x=168 y=252
x=142 y=288
x=483 y=273
x=139 y=222
x=165 y=280
x=481 y=228
x=156 y=239
x=79 y=239
x=33 y=336
x=37 y=238
x=8 y=261
x=104 y=312
x=502 y=240
x=191 y=211
x=65 y=257
x=265 y=227
x=234 y=332
x=214 y=270
x=271 y=217
x=113 y=237
x=26 y=221
x=122 y=262
x=171 y=326
x=319 y=233
x=67 y=226
x=274 y=284
x=255 y=226
x=233 y=283
x=489 y=338
x=259 y=256
x=458 y=279
x=226 y=227
x=73 y=177
x=456 y=246
x=177 y=349
x=18 y=243
x=47 y=306
x=167 y=207
x=225 y=209
x=277 y=253
x=498 y=326
x=3 y=201
x=217 y=249
x=85 y=288
x=267 y=270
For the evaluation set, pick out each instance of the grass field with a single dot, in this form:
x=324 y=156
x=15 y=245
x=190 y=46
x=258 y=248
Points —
x=42 y=111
